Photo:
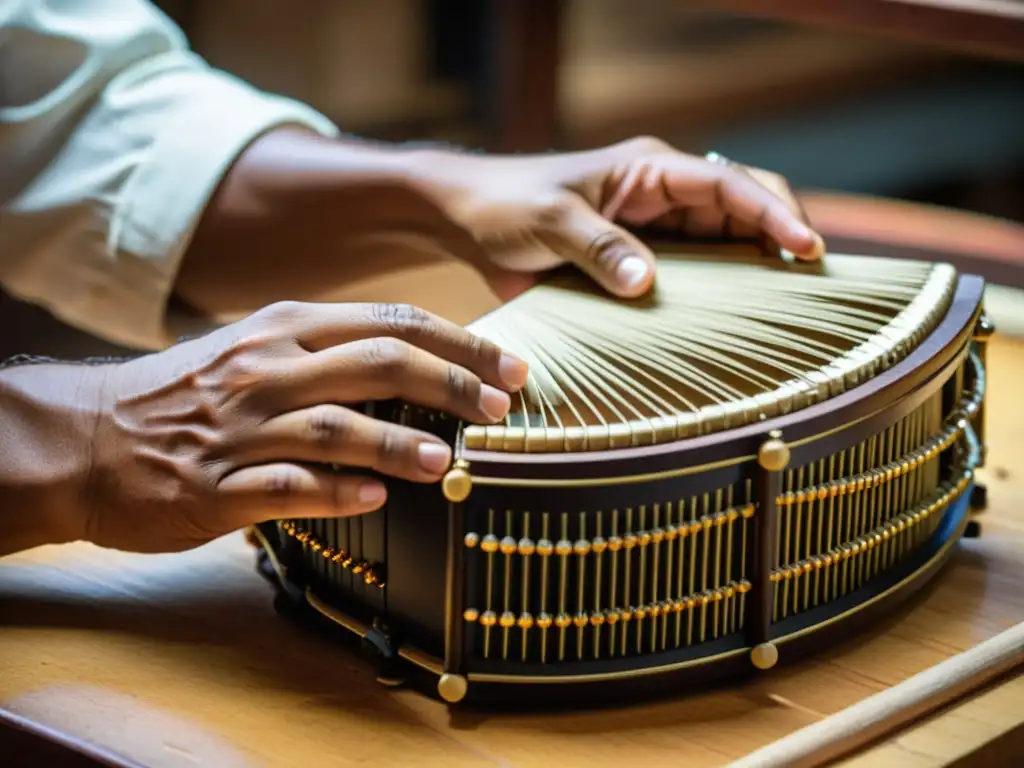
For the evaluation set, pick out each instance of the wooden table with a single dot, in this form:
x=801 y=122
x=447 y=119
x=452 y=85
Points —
x=181 y=661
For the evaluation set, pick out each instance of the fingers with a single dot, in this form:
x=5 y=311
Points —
x=778 y=186
x=321 y=326
x=282 y=490
x=712 y=194
x=385 y=369
x=741 y=196
x=613 y=257
x=332 y=434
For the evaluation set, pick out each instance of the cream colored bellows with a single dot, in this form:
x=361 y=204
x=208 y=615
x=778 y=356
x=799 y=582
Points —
x=857 y=726
x=728 y=337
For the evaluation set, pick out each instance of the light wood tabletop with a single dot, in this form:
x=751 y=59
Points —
x=181 y=660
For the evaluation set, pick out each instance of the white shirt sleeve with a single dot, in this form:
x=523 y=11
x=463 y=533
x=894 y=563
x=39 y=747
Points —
x=113 y=136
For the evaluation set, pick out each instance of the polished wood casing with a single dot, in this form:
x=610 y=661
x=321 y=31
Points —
x=432 y=589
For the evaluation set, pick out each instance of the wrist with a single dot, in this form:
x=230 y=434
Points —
x=47 y=418
x=300 y=216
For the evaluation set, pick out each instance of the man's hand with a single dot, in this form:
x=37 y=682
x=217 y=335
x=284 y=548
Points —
x=299 y=216
x=240 y=426
x=530 y=214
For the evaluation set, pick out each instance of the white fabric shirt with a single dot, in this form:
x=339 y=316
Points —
x=113 y=135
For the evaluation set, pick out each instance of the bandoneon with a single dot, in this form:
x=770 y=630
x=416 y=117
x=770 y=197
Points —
x=737 y=470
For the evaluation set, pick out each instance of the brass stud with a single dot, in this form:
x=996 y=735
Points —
x=581 y=547
x=526 y=546
x=452 y=688
x=563 y=547
x=471 y=540
x=489 y=543
x=773 y=455
x=599 y=545
x=471 y=614
x=507 y=620
x=543 y=620
x=508 y=546
x=545 y=547
x=457 y=482
x=764 y=656
x=525 y=621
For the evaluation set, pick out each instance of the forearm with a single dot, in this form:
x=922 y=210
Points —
x=46 y=419
x=299 y=216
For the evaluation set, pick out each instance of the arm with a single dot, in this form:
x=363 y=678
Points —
x=113 y=137
x=47 y=416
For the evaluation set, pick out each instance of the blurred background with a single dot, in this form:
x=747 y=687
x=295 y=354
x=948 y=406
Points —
x=845 y=109
x=901 y=122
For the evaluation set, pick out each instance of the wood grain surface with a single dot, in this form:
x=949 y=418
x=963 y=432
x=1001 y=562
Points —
x=181 y=661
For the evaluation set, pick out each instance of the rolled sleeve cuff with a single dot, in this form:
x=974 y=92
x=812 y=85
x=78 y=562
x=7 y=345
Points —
x=207 y=119
x=165 y=198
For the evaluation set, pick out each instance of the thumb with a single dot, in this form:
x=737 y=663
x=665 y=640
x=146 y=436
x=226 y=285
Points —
x=613 y=257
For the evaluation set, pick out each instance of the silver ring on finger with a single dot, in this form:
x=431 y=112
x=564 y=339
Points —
x=718 y=159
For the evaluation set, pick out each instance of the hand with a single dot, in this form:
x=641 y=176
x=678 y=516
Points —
x=238 y=427
x=531 y=214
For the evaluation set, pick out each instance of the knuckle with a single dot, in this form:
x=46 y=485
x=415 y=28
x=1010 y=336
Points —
x=328 y=427
x=281 y=484
x=485 y=352
x=462 y=386
x=388 y=356
x=400 y=319
x=647 y=145
x=607 y=250
x=390 y=448
x=282 y=313
x=553 y=209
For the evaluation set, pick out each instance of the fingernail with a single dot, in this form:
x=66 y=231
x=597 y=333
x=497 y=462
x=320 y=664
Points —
x=632 y=272
x=494 y=402
x=372 y=494
x=816 y=251
x=434 y=458
x=801 y=230
x=512 y=371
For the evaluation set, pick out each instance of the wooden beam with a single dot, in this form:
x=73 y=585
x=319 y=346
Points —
x=522 y=95
x=984 y=28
